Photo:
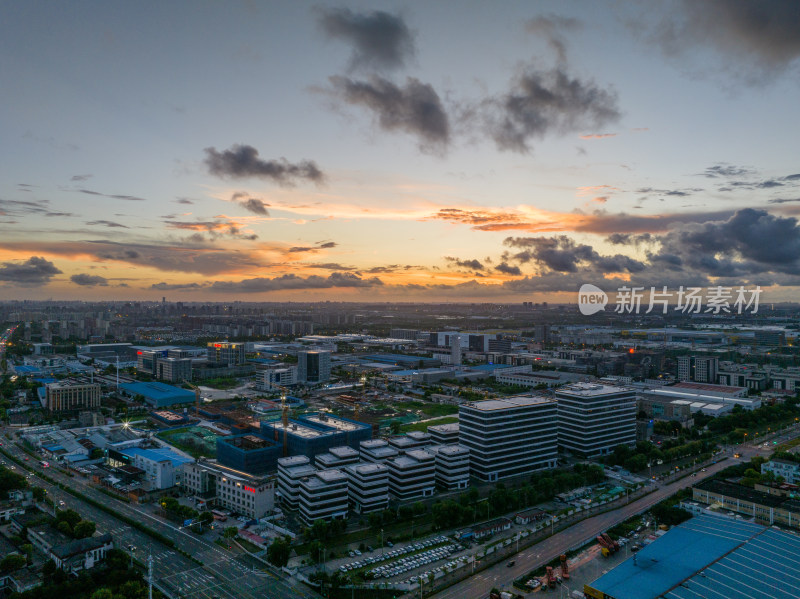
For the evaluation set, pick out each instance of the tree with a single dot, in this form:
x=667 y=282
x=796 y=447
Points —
x=278 y=552
x=230 y=532
x=315 y=550
x=394 y=427
x=84 y=529
x=103 y=593
x=13 y=562
x=206 y=518
x=39 y=493
x=64 y=527
x=70 y=516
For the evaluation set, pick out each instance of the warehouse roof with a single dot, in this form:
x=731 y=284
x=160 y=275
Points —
x=713 y=557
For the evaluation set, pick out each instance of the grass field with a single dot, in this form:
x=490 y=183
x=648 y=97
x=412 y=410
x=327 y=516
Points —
x=432 y=410
x=423 y=426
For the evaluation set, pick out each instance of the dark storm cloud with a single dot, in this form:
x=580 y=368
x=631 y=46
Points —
x=562 y=254
x=506 y=268
x=242 y=161
x=379 y=39
x=34 y=272
x=107 y=223
x=551 y=28
x=415 y=108
x=629 y=238
x=470 y=264
x=254 y=205
x=87 y=280
x=290 y=281
x=544 y=102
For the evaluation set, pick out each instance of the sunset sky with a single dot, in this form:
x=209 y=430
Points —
x=397 y=151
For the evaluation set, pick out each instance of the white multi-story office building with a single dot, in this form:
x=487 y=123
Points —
x=412 y=475
x=593 y=419
x=368 y=487
x=291 y=471
x=790 y=471
x=508 y=437
x=323 y=496
x=376 y=450
x=246 y=494
x=701 y=369
x=452 y=466
x=275 y=378
x=336 y=457
x=444 y=434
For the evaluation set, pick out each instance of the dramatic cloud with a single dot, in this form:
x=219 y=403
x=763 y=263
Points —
x=544 y=102
x=34 y=272
x=753 y=39
x=242 y=161
x=177 y=286
x=562 y=254
x=291 y=281
x=254 y=205
x=87 y=280
x=470 y=264
x=380 y=40
x=507 y=269
x=107 y=223
x=218 y=227
x=415 y=109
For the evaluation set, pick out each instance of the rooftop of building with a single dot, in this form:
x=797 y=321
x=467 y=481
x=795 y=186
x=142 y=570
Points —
x=743 y=493
x=160 y=454
x=343 y=452
x=452 y=450
x=330 y=476
x=591 y=390
x=402 y=441
x=294 y=460
x=420 y=455
x=444 y=428
x=710 y=556
x=214 y=466
x=155 y=390
x=509 y=403
x=708 y=387
x=366 y=469
x=79 y=546
x=341 y=424
x=295 y=428
x=374 y=443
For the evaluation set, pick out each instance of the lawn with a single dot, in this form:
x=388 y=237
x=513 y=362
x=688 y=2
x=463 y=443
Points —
x=423 y=426
x=429 y=409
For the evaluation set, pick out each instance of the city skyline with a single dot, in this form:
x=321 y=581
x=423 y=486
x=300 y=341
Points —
x=397 y=151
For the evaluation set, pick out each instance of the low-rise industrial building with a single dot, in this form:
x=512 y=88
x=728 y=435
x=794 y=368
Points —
x=158 y=395
x=763 y=507
x=161 y=467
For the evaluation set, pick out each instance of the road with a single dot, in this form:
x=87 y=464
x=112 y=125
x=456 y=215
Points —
x=223 y=574
x=500 y=575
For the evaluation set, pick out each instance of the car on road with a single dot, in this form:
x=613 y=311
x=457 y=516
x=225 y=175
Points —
x=62 y=502
x=510 y=564
x=702 y=470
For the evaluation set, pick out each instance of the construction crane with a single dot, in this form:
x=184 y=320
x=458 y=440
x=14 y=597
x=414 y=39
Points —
x=196 y=397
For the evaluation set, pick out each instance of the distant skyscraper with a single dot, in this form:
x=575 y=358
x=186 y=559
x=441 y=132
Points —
x=455 y=349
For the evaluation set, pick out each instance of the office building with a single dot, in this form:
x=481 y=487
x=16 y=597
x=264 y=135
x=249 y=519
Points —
x=455 y=350
x=71 y=397
x=323 y=496
x=507 y=437
x=290 y=472
x=789 y=470
x=452 y=466
x=700 y=369
x=377 y=451
x=240 y=492
x=412 y=475
x=273 y=379
x=225 y=353
x=316 y=433
x=249 y=453
x=368 y=487
x=593 y=419
x=336 y=457
x=313 y=366
x=443 y=434
x=161 y=466
x=769 y=338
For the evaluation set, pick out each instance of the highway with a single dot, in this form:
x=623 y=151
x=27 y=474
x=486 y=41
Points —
x=223 y=574
x=501 y=576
